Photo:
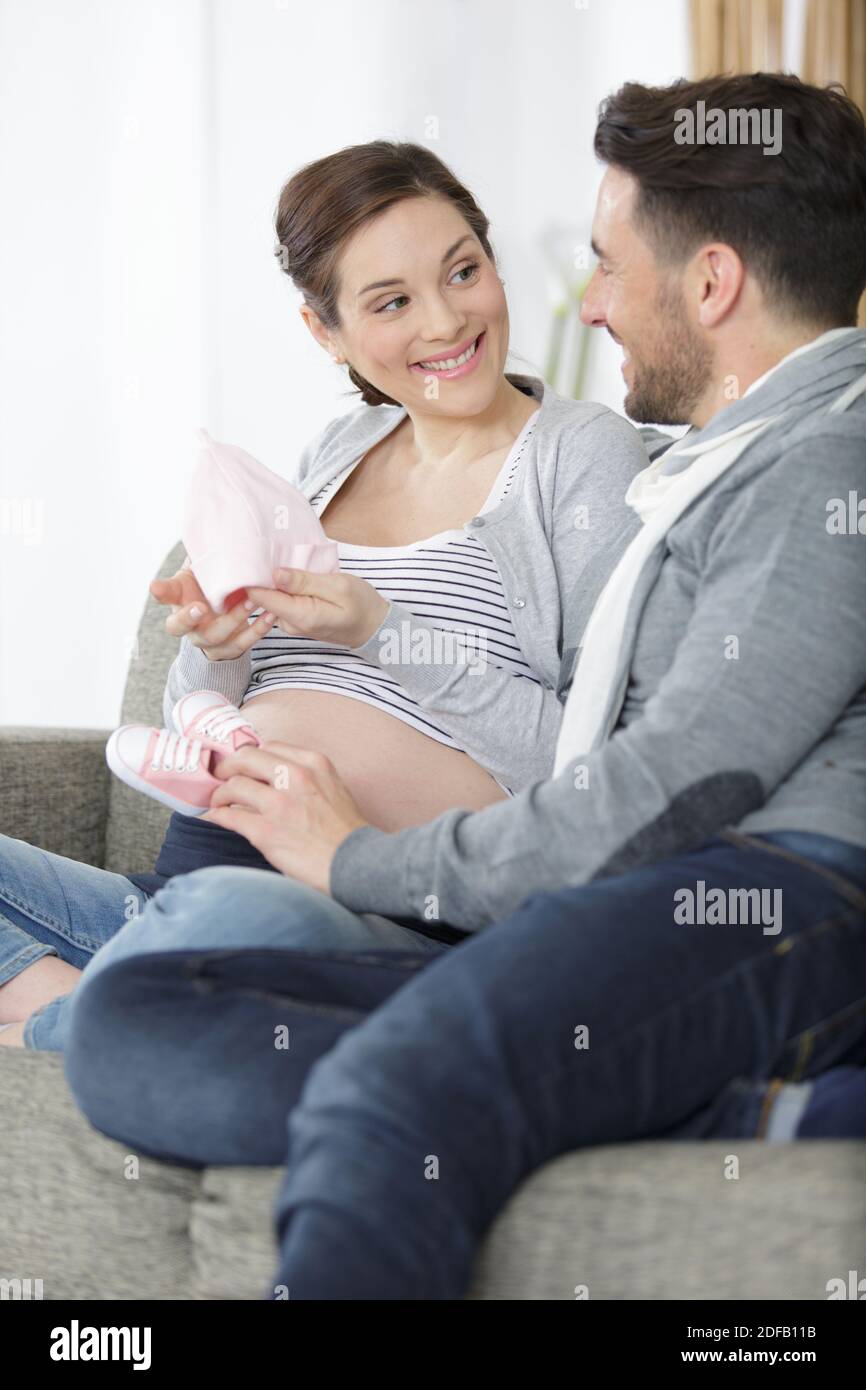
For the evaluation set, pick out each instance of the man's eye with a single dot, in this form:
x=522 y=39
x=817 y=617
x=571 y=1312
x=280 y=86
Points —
x=382 y=308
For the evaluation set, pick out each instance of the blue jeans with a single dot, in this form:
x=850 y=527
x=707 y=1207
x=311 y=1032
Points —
x=90 y=918
x=412 y=1095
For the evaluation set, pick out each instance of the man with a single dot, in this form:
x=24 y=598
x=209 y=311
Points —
x=664 y=925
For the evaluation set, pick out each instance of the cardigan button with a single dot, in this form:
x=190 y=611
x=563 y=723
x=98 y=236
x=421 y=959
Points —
x=476 y=521
x=520 y=603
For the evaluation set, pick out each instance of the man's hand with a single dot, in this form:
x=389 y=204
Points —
x=338 y=608
x=291 y=806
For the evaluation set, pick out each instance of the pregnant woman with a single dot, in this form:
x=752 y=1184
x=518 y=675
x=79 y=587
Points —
x=464 y=500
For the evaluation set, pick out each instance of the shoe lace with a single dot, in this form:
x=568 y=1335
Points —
x=220 y=723
x=176 y=752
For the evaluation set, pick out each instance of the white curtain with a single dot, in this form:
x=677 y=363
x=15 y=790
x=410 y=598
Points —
x=142 y=149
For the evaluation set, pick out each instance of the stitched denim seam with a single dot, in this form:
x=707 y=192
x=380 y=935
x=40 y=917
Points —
x=368 y=958
x=816 y=1032
x=27 y=956
x=208 y=986
x=848 y=889
x=42 y=919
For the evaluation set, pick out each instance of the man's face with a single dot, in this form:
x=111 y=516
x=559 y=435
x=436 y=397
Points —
x=667 y=363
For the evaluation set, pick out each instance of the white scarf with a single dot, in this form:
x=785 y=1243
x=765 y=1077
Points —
x=659 y=499
x=594 y=701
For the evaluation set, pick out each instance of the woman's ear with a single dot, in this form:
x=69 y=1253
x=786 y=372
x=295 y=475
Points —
x=321 y=334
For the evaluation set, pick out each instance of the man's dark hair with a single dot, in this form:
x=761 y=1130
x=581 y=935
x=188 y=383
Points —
x=796 y=218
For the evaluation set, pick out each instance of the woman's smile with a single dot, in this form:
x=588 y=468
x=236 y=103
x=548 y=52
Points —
x=460 y=362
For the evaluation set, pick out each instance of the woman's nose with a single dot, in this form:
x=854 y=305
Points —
x=442 y=323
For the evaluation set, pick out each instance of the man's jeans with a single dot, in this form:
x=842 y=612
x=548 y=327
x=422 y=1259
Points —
x=412 y=1095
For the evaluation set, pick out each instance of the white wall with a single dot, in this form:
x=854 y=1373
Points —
x=142 y=150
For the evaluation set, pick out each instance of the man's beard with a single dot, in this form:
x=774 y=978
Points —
x=666 y=390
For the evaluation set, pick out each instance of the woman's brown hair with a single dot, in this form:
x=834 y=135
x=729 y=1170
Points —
x=325 y=202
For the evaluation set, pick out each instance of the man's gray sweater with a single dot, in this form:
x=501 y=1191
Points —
x=745 y=704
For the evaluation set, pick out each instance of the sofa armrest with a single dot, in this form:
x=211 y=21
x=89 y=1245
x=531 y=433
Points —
x=54 y=789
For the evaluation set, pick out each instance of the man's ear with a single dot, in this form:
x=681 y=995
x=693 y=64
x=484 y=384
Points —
x=719 y=275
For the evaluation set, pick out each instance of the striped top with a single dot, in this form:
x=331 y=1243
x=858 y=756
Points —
x=449 y=579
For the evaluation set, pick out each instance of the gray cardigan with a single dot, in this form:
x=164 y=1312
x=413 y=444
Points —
x=744 y=670
x=555 y=538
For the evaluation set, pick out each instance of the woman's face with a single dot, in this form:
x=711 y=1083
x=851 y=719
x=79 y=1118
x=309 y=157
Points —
x=442 y=298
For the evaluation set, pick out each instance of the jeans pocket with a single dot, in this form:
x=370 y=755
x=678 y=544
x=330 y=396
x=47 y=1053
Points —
x=841 y=1037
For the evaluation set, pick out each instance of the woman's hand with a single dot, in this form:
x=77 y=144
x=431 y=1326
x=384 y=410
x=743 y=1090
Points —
x=291 y=806
x=221 y=636
x=339 y=608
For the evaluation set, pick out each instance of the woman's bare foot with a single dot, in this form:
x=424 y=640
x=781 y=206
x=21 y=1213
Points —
x=47 y=978
x=12 y=1035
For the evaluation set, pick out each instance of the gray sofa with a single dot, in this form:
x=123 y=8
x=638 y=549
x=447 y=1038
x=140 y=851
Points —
x=655 y=1220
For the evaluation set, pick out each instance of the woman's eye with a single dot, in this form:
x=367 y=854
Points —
x=382 y=308
x=468 y=270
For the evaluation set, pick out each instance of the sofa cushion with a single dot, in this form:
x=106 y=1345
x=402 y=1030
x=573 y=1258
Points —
x=662 y=1220
x=655 y=1220
x=70 y=1214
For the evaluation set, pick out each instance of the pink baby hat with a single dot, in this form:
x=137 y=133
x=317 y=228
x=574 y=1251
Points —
x=241 y=522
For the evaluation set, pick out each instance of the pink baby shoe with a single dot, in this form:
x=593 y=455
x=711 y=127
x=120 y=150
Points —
x=205 y=714
x=165 y=765
x=241 y=522
x=177 y=766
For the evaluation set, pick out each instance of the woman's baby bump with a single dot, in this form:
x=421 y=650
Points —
x=398 y=775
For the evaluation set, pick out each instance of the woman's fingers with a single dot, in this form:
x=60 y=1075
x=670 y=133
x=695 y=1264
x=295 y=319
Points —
x=181 y=621
x=310 y=584
x=240 y=641
x=210 y=629
x=180 y=589
x=222 y=627
x=300 y=613
x=222 y=636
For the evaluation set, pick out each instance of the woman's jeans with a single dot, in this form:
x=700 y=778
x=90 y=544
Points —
x=89 y=917
x=411 y=1094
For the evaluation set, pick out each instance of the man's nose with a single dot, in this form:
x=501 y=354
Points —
x=591 y=306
